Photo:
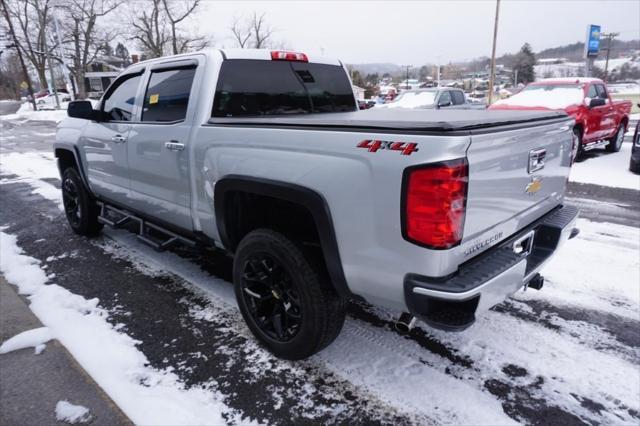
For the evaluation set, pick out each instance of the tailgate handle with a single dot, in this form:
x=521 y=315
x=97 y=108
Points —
x=524 y=244
x=536 y=160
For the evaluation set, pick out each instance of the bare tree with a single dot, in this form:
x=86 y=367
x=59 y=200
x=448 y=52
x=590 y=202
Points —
x=150 y=29
x=177 y=12
x=157 y=27
x=84 y=34
x=241 y=33
x=261 y=31
x=32 y=18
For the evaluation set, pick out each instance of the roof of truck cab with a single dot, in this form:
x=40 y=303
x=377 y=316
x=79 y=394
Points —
x=405 y=120
x=255 y=54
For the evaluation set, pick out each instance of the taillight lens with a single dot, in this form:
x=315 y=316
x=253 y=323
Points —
x=282 y=55
x=435 y=203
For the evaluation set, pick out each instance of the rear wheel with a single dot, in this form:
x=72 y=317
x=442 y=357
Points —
x=615 y=143
x=286 y=301
x=79 y=207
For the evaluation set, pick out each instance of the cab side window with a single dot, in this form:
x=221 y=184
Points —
x=602 y=91
x=458 y=97
x=445 y=99
x=167 y=95
x=119 y=101
x=592 y=92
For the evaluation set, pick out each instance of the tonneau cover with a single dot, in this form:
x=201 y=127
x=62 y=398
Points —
x=400 y=119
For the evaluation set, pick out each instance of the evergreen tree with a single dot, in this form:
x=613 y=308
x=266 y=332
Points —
x=523 y=63
x=122 y=52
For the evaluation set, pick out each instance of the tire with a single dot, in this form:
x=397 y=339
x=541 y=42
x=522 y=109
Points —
x=634 y=166
x=577 y=152
x=615 y=143
x=286 y=300
x=79 y=207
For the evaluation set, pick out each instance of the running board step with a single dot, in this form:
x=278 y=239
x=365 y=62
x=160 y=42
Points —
x=595 y=145
x=163 y=238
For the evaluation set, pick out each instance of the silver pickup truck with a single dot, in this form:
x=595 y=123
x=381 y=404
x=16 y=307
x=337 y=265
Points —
x=438 y=215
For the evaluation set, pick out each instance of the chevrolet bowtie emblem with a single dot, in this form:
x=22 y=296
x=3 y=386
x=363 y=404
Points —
x=534 y=186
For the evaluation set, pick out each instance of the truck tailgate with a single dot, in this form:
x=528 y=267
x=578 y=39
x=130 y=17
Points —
x=515 y=176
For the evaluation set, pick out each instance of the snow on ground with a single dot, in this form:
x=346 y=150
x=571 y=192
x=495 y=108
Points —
x=600 y=270
x=35 y=338
x=72 y=414
x=607 y=169
x=31 y=168
x=26 y=112
x=147 y=396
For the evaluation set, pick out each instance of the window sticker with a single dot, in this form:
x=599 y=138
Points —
x=153 y=99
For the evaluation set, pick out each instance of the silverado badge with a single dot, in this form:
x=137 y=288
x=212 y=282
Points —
x=534 y=186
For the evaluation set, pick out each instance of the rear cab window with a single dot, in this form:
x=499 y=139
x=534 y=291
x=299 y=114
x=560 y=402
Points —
x=248 y=87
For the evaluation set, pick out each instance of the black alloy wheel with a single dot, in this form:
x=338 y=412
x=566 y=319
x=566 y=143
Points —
x=79 y=207
x=285 y=296
x=272 y=300
x=71 y=202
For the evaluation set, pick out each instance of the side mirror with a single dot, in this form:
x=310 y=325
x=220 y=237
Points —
x=81 y=109
x=596 y=102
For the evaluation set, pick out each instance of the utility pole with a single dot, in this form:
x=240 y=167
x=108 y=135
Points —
x=610 y=37
x=407 y=81
x=493 y=53
x=5 y=11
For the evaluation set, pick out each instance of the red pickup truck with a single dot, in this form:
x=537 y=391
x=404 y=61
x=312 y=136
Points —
x=600 y=121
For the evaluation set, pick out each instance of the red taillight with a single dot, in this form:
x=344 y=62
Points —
x=435 y=203
x=282 y=55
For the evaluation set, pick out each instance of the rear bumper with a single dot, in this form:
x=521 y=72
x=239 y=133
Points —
x=452 y=302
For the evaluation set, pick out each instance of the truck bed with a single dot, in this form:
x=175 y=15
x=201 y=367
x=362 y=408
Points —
x=414 y=121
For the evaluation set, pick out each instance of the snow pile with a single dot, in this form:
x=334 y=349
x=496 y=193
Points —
x=70 y=413
x=559 y=97
x=35 y=338
x=26 y=112
x=147 y=396
x=607 y=169
x=32 y=167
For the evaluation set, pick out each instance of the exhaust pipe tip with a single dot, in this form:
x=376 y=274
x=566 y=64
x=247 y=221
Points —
x=405 y=323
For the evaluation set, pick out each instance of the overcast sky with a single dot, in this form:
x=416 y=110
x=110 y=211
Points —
x=417 y=32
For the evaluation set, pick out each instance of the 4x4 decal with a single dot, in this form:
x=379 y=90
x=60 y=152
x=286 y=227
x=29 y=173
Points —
x=374 y=145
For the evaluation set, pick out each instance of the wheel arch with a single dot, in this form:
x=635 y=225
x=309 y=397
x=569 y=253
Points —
x=312 y=201
x=69 y=157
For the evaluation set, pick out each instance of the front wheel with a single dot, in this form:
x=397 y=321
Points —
x=285 y=299
x=577 y=152
x=79 y=207
x=615 y=143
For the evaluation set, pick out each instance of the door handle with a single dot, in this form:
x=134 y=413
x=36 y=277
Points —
x=174 y=146
x=118 y=139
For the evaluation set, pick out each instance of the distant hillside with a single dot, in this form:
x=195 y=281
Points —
x=574 y=51
x=379 y=68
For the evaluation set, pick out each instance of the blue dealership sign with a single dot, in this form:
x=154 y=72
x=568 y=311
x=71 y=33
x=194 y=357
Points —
x=592 y=45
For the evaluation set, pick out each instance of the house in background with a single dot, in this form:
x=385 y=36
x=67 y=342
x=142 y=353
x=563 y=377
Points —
x=101 y=72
